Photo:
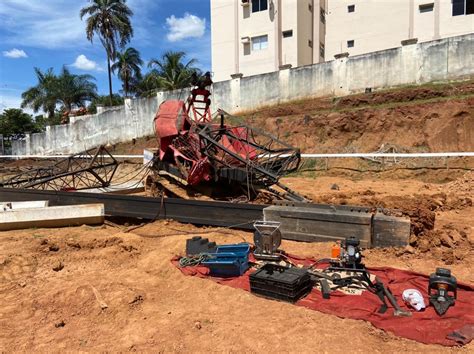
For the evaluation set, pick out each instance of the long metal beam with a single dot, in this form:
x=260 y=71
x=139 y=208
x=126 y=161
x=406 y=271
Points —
x=210 y=213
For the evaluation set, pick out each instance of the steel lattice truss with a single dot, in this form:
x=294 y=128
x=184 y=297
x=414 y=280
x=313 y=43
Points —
x=90 y=169
x=253 y=151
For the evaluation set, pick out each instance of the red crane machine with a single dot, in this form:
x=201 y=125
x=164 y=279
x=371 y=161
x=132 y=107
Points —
x=203 y=154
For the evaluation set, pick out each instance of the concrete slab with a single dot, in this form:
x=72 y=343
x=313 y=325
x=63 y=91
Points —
x=9 y=206
x=57 y=216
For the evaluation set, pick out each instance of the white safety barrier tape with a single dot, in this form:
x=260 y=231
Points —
x=19 y=157
x=351 y=155
x=401 y=155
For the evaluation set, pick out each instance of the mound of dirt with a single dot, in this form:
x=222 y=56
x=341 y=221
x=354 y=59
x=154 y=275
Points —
x=441 y=126
x=450 y=244
x=406 y=95
x=463 y=185
x=424 y=118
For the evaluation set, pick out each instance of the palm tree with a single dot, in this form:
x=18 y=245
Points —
x=128 y=65
x=171 y=73
x=110 y=21
x=148 y=85
x=74 y=90
x=42 y=96
x=68 y=90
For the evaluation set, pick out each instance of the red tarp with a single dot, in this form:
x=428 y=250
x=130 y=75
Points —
x=425 y=326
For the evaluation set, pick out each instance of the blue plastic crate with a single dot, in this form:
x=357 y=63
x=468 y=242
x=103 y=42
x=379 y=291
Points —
x=229 y=260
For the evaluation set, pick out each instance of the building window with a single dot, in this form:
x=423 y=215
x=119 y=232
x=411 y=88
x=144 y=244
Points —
x=463 y=7
x=259 y=43
x=310 y=43
x=426 y=7
x=287 y=34
x=469 y=7
x=310 y=8
x=351 y=8
x=321 y=50
x=246 y=48
x=322 y=16
x=350 y=44
x=259 y=5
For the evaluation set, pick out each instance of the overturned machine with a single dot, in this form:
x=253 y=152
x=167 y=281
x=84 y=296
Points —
x=204 y=155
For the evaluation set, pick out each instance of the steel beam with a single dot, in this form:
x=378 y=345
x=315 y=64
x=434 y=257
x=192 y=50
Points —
x=210 y=213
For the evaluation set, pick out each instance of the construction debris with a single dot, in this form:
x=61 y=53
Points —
x=90 y=169
x=203 y=153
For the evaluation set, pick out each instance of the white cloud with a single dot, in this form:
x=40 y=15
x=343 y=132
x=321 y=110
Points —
x=45 y=24
x=56 y=24
x=189 y=26
x=15 y=53
x=83 y=63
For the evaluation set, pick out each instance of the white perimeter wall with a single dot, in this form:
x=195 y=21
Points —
x=445 y=59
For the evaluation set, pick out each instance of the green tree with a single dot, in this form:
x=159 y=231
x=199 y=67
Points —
x=74 y=90
x=117 y=100
x=148 y=85
x=128 y=65
x=66 y=90
x=171 y=73
x=110 y=21
x=42 y=96
x=41 y=121
x=15 y=123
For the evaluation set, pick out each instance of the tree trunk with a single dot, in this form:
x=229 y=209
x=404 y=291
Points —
x=110 y=77
x=125 y=86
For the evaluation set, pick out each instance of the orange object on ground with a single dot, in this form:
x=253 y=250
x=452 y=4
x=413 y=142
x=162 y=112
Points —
x=336 y=250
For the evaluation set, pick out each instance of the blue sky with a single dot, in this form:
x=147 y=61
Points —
x=49 y=33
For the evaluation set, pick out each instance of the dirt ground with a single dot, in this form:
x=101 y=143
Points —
x=100 y=288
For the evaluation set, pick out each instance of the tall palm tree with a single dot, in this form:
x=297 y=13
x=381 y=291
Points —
x=171 y=72
x=128 y=65
x=110 y=21
x=74 y=90
x=42 y=96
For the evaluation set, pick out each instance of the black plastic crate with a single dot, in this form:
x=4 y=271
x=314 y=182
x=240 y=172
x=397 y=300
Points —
x=280 y=282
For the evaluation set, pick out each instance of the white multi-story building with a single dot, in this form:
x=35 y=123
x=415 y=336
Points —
x=257 y=36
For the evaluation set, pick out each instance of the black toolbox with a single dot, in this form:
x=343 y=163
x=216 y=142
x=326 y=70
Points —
x=280 y=282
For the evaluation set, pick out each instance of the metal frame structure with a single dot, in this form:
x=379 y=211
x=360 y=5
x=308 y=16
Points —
x=231 y=159
x=86 y=170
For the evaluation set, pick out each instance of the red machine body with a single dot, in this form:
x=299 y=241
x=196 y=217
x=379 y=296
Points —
x=198 y=150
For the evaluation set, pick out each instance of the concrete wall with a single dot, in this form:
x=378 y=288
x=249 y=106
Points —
x=383 y=24
x=444 y=59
